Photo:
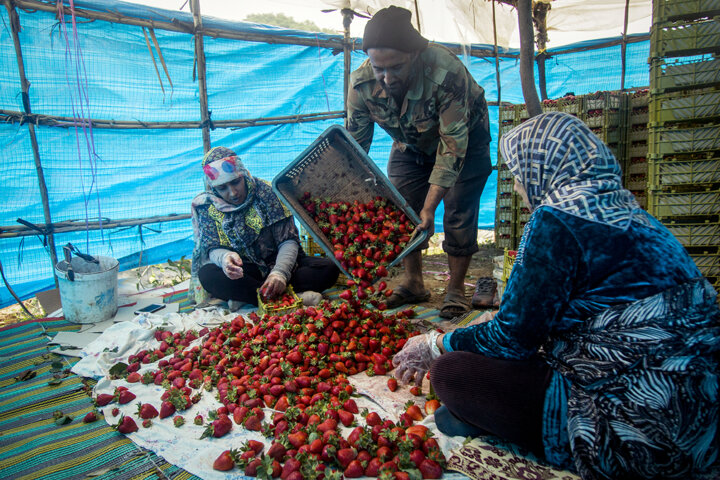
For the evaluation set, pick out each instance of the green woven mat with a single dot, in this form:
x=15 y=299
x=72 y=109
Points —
x=32 y=446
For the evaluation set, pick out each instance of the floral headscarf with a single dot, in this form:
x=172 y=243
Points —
x=563 y=165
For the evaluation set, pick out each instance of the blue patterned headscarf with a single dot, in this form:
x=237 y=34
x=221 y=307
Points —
x=563 y=165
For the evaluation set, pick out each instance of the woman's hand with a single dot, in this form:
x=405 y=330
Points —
x=274 y=285
x=232 y=266
x=414 y=360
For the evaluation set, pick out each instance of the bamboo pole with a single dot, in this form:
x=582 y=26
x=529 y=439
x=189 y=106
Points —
x=347 y=15
x=25 y=85
x=527 y=53
x=11 y=116
x=202 y=82
x=15 y=231
x=623 y=47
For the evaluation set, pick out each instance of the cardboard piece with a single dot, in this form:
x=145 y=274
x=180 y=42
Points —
x=49 y=300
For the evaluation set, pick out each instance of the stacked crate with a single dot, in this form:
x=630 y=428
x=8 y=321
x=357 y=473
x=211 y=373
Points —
x=684 y=135
x=605 y=113
x=635 y=163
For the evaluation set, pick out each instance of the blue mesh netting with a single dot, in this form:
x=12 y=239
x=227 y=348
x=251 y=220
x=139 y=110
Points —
x=105 y=71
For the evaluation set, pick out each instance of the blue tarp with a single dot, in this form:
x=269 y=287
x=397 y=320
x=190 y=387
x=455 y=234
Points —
x=104 y=70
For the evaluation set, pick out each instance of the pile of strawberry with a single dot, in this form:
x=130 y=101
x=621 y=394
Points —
x=287 y=378
x=366 y=237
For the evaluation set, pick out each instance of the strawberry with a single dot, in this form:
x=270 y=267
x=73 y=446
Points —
x=218 y=428
x=415 y=390
x=90 y=417
x=351 y=406
x=346 y=418
x=297 y=439
x=147 y=423
x=291 y=466
x=255 y=446
x=431 y=405
x=125 y=396
x=253 y=422
x=103 y=399
x=146 y=411
x=417 y=457
x=198 y=420
x=126 y=425
x=345 y=456
x=251 y=470
x=354 y=470
x=276 y=451
x=115 y=411
x=392 y=384
x=224 y=462
x=166 y=409
x=178 y=421
x=373 y=419
x=133 y=377
x=414 y=412
x=373 y=467
x=430 y=469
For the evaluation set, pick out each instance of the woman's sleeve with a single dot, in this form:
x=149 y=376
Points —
x=207 y=229
x=538 y=290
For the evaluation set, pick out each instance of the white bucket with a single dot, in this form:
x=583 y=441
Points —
x=91 y=296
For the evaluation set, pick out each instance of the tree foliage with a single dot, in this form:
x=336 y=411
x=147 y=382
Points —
x=282 y=20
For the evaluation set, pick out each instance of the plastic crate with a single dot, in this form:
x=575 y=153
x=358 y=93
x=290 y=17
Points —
x=571 y=105
x=670 y=172
x=663 y=141
x=679 y=73
x=674 y=204
x=270 y=309
x=310 y=246
x=504 y=215
x=504 y=235
x=637 y=133
x=639 y=98
x=505 y=185
x=673 y=10
x=685 y=106
x=637 y=150
x=507 y=112
x=695 y=234
x=609 y=135
x=505 y=200
x=637 y=168
x=603 y=101
x=335 y=167
x=508 y=262
x=685 y=38
x=603 y=118
x=708 y=264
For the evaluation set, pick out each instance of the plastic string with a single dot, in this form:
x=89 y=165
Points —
x=80 y=118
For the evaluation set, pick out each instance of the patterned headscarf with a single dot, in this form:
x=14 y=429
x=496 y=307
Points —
x=221 y=165
x=563 y=165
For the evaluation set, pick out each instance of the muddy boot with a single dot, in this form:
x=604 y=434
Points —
x=484 y=295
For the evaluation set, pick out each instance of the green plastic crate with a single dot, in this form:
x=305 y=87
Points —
x=681 y=73
x=666 y=173
x=685 y=38
x=686 y=204
x=663 y=141
x=708 y=263
x=673 y=10
x=685 y=106
x=695 y=234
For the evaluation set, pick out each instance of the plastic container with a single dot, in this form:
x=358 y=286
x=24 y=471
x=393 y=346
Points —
x=336 y=167
x=695 y=234
x=685 y=38
x=270 y=309
x=681 y=73
x=663 y=141
x=708 y=264
x=685 y=106
x=508 y=262
x=673 y=10
x=665 y=173
x=672 y=204
x=88 y=291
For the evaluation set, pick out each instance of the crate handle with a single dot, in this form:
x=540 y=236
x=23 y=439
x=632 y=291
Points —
x=372 y=179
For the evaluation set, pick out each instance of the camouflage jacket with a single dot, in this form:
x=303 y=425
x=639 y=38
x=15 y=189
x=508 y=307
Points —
x=442 y=105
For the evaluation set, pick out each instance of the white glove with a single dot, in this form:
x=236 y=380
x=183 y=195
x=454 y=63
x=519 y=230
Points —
x=232 y=266
x=414 y=360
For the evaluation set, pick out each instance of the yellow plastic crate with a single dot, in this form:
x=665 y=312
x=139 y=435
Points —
x=695 y=234
x=666 y=173
x=508 y=262
x=673 y=204
x=663 y=141
x=708 y=264
x=270 y=309
x=685 y=106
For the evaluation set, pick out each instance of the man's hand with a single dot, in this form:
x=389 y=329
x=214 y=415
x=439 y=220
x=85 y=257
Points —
x=232 y=266
x=274 y=285
x=427 y=214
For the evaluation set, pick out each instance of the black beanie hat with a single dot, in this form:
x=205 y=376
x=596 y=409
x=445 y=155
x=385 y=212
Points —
x=391 y=28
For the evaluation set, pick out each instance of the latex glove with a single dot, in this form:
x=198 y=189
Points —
x=274 y=285
x=232 y=266
x=414 y=360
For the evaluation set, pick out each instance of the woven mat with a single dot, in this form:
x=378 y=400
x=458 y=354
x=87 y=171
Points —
x=32 y=446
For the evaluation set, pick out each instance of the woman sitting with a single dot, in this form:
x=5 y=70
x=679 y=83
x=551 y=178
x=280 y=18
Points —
x=604 y=352
x=245 y=239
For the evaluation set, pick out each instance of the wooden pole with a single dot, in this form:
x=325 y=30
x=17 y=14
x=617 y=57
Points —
x=25 y=85
x=347 y=15
x=202 y=81
x=623 y=48
x=417 y=17
x=540 y=20
x=497 y=65
x=527 y=54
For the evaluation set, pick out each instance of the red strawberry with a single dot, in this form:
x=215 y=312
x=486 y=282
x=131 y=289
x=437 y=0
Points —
x=253 y=422
x=276 y=451
x=345 y=456
x=103 y=399
x=417 y=457
x=166 y=409
x=430 y=469
x=133 y=377
x=125 y=396
x=291 y=466
x=126 y=425
x=373 y=467
x=392 y=384
x=414 y=412
x=431 y=406
x=145 y=411
x=373 y=419
x=351 y=406
x=354 y=470
x=218 y=428
x=90 y=417
x=252 y=466
x=415 y=390
x=115 y=411
x=178 y=421
x=224 y=462
x=297 y=439
x=147 y=423
x=198 y=419
x=346 y=418
x=255 y=446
